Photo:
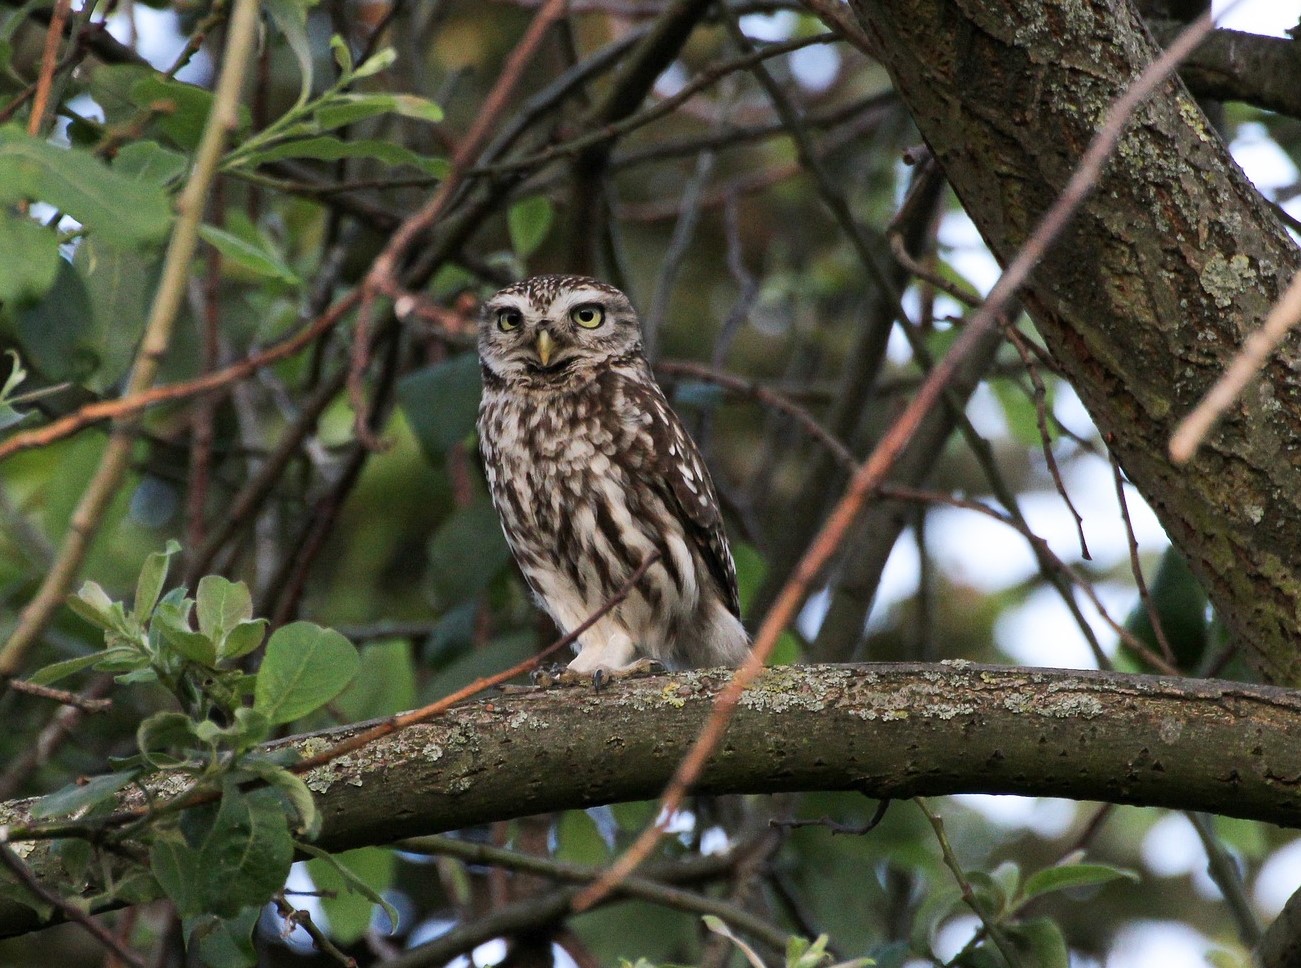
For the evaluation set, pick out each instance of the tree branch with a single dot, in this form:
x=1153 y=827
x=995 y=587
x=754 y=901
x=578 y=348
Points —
x=886 y=730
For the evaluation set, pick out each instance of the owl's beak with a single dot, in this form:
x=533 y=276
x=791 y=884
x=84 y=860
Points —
x=546 y=347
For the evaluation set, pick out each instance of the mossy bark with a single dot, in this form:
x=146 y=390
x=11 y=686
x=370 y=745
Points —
x=885 y=730
x=1148 y=294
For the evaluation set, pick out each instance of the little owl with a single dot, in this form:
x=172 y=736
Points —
x=591 y=471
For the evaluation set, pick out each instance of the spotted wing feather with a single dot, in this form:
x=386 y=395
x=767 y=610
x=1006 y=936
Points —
x=679 y=472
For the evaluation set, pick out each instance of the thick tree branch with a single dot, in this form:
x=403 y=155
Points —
x=887 y=730
x=1149 y=292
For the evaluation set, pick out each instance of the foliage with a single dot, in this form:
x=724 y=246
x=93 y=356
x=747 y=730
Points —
x=221 y=860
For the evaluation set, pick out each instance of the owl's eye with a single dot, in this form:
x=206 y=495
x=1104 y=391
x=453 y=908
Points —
x=508 y=319
x=588 y=315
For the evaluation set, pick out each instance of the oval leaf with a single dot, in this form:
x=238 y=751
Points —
x=1073 y=875
x=305 y=667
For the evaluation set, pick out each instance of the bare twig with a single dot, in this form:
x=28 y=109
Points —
x=992 y=928
x=1136 y=567
x=769 y=398
x=61 y=696
x=1192 y=430
x=1039 y=397
x=53 y=37
x=835 y=826
x=295 y=918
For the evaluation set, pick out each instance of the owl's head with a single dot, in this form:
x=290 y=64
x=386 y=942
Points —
x=551 y=327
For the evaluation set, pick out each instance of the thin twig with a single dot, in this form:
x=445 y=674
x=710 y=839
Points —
x=651 y=888
x=992 y=928
x=67 y=908
x=872 y=472
x=295 y=918
x=769 y=398
x=1224 y=871
x=1136 y=567
x=1039 y=397
x=61 y=696
x=395 y=723
x=53 y=37
x=835 y=826
x=1192 y=430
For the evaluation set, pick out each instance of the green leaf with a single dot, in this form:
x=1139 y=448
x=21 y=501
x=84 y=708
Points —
x=31 y=259
x=223 y=942
x=117 y=208
x=1041 y=941
x=529 y=221
x=1064 y=878
x=223 y=861
x=58 y=333
x=242 y=639
x=350 y=108
x=246 y=255
x=221 y=604
x=381 y=60
x=162 y=732
x=342 y=54
x=117 y=283
x=329 y=148
x=12 y=889
x=150 y=163
x=385 y=684
x=93 y=604
x=171 y=624
x=1180 y=604
x=466 y=552
x=441 y=402
x=150 y=583
x=364 y=873
x=186 y=105
x=305 y=667
x=290 y=18
x=1020 y=413
x=294 y=789
x=61 y=670
x=79 y=796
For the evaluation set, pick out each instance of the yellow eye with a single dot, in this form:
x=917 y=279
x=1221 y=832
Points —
x=588 y=315
x=508 y=319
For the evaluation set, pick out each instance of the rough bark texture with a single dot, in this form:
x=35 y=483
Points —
x=886 y=730
x=1149 y=293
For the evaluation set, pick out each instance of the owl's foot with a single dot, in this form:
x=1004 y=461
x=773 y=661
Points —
x=547 y=677
x=636 y=670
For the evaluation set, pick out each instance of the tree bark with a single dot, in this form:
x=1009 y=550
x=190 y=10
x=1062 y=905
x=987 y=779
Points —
x=1151 y=290
x=885 y=730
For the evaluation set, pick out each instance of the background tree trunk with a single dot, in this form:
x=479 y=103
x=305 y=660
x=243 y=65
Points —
x=1147 y=295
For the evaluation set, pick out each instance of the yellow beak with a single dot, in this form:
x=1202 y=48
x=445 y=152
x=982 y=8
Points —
x=546 y=347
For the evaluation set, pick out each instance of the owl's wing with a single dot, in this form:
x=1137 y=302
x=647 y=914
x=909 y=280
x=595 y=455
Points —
x=686 y=485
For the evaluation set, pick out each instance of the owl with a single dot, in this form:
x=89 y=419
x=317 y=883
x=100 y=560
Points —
x=591 y=471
